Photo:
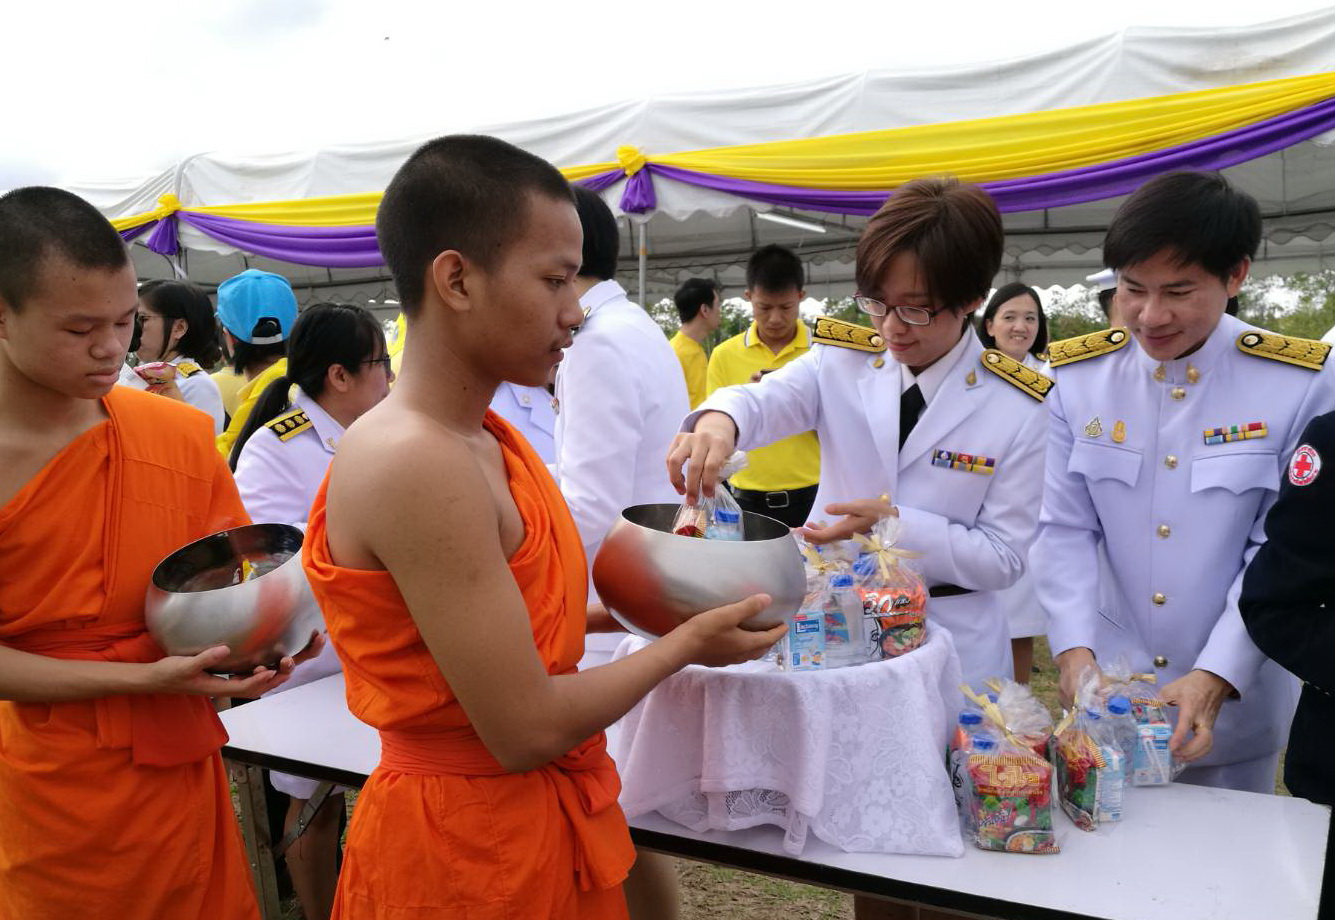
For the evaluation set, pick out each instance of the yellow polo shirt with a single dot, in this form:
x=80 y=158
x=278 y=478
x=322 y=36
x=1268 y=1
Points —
x=247 y=396
x=790 y=463
x=229 y=385
x=694 y=365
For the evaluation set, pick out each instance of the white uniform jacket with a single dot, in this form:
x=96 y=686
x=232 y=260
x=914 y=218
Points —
x=196 y=386
x=620 y=397
x=278 y=473
x=972 y=529
x=1134 y=461
x=530 y=410
x=282 y=465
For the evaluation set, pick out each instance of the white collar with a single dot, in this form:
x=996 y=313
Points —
x=327 y=430
x=930 y=380
x=602 y=293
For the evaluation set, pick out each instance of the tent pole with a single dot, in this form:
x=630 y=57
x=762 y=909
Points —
x=644 y=265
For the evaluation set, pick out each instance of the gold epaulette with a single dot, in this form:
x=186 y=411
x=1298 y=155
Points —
x=188 y=368
x=1016 y=374
x=1306 y=353
x=831 y=331
x=1103 y=342
x=289 y=424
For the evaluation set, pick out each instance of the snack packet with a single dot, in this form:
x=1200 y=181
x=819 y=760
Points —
x=1008 y=789
x=1091 y=768
x=1027 y=719
x=894 y=599
x=717 y=518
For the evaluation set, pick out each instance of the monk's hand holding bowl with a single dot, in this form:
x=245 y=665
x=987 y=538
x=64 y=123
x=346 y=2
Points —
x=717 y=638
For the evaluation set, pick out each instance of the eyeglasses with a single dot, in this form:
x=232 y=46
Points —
x=385 y=361
x=145 y=317
x=912 y=316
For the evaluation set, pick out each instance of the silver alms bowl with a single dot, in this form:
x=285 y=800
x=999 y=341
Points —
x=198 y=598
x=652 y=580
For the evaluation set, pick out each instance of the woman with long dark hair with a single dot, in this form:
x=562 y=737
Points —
x=1014 y=323
x=338 y=368
x=176 y=325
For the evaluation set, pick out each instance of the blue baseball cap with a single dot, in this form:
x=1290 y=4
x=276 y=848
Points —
x=257 y=307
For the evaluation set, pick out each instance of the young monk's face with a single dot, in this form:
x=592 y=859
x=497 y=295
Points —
x=530 y=297
x=72 y=332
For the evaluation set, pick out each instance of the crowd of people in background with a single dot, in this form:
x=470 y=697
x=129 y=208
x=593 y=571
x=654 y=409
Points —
x=1102 y=516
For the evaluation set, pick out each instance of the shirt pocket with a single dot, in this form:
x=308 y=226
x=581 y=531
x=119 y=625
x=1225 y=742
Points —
x=1236 y=471
x=1097 y=461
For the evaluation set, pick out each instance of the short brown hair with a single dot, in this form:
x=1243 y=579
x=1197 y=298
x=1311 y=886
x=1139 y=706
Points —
x=952 y=228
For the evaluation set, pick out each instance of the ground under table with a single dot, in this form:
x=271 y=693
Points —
x=1198 y=854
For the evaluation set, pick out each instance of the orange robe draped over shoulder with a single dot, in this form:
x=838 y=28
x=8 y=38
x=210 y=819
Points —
x=441 y=831
x=116 y=807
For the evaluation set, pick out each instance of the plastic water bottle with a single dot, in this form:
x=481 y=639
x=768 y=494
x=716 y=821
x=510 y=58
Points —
x=1112 y=775
x=727 y=525
x=956 y=757
x=1124 y=728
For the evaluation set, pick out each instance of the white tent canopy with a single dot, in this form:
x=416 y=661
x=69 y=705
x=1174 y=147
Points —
x=694 y=231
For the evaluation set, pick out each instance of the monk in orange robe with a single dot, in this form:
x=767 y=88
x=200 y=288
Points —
x=453 y=580
x=113 y=798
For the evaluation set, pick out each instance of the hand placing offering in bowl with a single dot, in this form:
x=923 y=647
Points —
x=857 y=517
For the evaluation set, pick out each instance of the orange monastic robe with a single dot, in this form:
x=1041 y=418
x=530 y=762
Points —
x=441 y=831
x=115 y=807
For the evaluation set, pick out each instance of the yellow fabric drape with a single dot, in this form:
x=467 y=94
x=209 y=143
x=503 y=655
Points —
x=976 y=150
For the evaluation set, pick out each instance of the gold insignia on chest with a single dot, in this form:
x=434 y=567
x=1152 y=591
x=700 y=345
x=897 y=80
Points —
x=1094 y=429
x=1161 y=373
x=1193 y=374
x=971 y=379
x=1119 y=432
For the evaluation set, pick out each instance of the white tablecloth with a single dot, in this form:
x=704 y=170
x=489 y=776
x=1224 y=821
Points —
x=854 y=756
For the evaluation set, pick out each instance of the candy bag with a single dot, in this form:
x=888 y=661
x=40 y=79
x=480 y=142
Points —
x=894 y=599
x=1091 y=767
x=1027 y=719
x=1008 y=789
x=717 y=518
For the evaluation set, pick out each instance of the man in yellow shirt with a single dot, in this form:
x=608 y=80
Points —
x=780 y=479
x=257 y=310
x=698 y=308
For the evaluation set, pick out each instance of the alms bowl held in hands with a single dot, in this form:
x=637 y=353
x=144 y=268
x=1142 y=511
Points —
x=652 y=580
x=243 y=588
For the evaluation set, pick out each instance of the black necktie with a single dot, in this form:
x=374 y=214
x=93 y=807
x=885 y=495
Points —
x=911 y=405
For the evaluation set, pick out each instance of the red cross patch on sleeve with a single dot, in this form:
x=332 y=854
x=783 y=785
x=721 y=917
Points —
x=1304 y=466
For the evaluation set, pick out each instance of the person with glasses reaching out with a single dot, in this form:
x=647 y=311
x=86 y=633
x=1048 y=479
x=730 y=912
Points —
x=339 y=363
x=175 y=324
x=914 y=410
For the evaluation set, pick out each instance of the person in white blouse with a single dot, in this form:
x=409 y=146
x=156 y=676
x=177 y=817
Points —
x=339 y=365
x=176 y=325
x=1013 y=322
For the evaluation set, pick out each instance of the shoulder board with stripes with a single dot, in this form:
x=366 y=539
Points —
x=837 y=332
x=1306 y=353
x=1026 y=379
x=289 y=425
x=188 y=368
x=1094 y=345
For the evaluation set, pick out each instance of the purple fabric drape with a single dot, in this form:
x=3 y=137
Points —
x=326 y=247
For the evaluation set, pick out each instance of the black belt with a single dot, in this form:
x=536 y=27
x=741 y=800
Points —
x=947 y=591
x=780 y=498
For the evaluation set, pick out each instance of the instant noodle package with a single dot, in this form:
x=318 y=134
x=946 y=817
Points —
x=894 y=598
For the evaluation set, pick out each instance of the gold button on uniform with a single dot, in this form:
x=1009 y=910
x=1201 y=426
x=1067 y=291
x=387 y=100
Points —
x=1159 y=599
x=1163 y=530
x=1170 y=461
x=1178 y=393
x=1160 y=661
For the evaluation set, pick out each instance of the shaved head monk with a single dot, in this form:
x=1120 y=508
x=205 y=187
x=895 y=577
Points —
x=113 y=798
x=453 y=579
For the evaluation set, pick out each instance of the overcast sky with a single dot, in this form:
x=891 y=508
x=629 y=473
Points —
x=107 y=91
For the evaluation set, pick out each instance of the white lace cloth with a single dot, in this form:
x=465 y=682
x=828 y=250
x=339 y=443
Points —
x=854 y=756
